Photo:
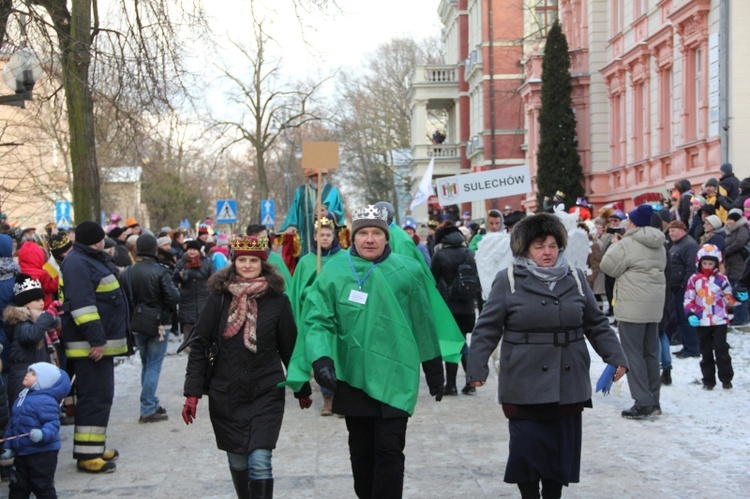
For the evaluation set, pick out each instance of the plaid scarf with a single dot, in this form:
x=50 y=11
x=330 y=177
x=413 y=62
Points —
x=244 y=309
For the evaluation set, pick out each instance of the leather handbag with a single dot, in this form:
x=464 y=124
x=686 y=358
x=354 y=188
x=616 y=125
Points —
x=146 y=320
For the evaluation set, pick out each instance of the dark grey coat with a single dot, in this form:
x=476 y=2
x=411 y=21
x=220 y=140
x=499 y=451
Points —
x=541 y=371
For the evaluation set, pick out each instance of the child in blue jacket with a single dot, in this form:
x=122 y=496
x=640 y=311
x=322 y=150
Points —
x=36 y=413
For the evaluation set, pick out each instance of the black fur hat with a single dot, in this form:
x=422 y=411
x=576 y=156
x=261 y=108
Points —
x=444 y=231
x=534 y=227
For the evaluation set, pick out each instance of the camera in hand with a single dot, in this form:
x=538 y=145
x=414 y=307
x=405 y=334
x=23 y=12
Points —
x=616 y=230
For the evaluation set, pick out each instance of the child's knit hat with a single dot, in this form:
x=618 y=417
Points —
x=46 y=375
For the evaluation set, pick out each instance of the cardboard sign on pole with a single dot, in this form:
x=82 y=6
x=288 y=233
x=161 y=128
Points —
x=321 y=155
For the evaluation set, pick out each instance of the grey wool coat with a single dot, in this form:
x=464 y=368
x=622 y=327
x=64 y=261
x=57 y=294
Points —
x=539 y=362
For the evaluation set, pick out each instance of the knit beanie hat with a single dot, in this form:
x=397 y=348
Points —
x=26 y=289
x=164 y=241
x=89 y=233
x=712 y=182
x=641 y=216
x=222 y=240
x=726 y=168
x=370 y=216
x=46 y=375
x=698 y=199
x=109 y=243
x=146 y=245
x=677 y=224
x=715 y=221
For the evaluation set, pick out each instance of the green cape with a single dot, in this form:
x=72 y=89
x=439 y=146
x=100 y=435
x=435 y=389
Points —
x=451 y=339
x=278 y=262
x=376 y=347
x=304 y=275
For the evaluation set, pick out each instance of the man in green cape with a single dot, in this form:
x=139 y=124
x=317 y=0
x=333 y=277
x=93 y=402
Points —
x=365 y=333
x=259 y=231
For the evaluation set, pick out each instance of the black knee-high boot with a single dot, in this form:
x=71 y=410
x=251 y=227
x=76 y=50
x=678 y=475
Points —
x=451 y=370
x=261 y=489
x=529 y=490
x=241 y=481
x=551 y=489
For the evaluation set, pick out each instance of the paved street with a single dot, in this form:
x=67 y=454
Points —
x=455 y=448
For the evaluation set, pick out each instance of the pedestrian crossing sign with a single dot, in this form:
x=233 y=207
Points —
x=267 y=215
x=62 y=214
x=226 y=211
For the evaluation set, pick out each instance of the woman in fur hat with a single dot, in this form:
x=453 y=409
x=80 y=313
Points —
x=542 y=309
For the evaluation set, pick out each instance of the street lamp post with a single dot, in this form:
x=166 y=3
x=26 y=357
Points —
x=20 y=74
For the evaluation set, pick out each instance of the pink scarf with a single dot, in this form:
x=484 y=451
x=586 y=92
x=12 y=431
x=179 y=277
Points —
x=244 y=309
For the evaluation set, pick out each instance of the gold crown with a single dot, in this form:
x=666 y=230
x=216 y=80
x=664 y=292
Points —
x=324 y=222
x=247 y=243
x=27 y=285
x=60 y=242
x=370 y=213
x=561 y=194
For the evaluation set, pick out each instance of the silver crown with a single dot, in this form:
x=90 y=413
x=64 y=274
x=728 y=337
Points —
x=369 y=213
x=27 y=285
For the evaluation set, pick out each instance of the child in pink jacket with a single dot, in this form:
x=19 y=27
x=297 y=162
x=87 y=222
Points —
x=707 y=298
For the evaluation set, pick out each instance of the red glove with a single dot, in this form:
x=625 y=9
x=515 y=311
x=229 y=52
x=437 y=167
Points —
x=305 y=402
x=189 y=408
x=54 y=308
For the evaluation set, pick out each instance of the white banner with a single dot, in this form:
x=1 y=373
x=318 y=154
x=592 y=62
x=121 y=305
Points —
x=498 y=183
x=425 y=189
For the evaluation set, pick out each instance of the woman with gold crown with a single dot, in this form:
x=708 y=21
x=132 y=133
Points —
x=304 y=276
x=248 y=328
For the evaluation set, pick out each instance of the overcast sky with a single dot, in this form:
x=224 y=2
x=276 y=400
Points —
x=335 y=38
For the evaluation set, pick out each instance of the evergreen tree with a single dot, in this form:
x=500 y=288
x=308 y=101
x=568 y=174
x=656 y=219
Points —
x=558 y=162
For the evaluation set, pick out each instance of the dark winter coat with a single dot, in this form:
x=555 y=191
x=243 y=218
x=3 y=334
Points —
x=444 y=268
x=177 y=250
x=686 y=194
x=731 y=184
x=28 y=344
x=193 y=289
x=4 y=407
x=122 y=255
x=245 y=404
x=737 y=237
x=8 y=271
x=695 y=229
x=682 y=258
x=39 y=409
x=739 y=201
x=95 y=307
x=715 y=237
x=150 y=283
x=544 y=360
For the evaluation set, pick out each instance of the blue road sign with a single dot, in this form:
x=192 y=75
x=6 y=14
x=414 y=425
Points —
x=62 y=214
x=267 y=215
x=226 y=211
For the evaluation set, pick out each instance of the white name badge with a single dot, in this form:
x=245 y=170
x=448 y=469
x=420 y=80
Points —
x=358 y=297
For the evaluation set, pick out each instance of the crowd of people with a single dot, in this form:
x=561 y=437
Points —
x=361 y=312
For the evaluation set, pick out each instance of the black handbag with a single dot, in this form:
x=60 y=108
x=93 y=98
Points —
x=145 y=319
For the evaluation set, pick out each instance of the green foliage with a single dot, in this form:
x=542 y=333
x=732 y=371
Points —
x=558 y=162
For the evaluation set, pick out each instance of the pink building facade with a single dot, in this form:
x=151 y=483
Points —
x=658 y=88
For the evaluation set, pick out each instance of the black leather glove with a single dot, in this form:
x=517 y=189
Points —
x=437 y=392
x=433 y=371
x=326 y=377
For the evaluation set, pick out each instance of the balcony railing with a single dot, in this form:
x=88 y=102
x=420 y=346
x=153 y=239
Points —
x=437 y=151
x=439 y=74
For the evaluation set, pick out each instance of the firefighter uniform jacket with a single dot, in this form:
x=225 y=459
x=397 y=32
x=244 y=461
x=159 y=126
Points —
x=96 y=309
